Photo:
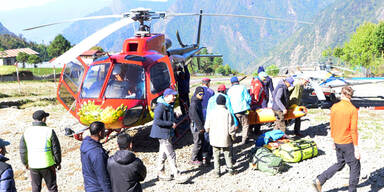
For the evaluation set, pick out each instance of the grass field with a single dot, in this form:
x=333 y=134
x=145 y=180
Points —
x=5 y=70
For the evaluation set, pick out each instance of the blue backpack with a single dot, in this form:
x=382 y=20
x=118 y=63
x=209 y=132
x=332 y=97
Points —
x=269 y=136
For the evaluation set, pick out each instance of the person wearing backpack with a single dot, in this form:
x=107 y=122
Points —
x=344 y=133
x=221 y=134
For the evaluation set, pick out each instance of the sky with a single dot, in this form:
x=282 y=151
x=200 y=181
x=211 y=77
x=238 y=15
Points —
x=16 y=15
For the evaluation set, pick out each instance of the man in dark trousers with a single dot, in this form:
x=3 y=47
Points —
x=40 y=152
x=94 y=160
x=7 y=182
x=280 y=102
x=344 y=133
x=268 y=87
x=125 y=169
x=197 y=126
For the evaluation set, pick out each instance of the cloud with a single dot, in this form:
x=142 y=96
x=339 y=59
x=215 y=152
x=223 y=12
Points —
x=8 y=5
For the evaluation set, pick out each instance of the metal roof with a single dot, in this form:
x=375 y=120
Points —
x=14 y=52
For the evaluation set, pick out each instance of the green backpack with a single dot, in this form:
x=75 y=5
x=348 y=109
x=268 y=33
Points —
x=264 y=160
x=296 y=151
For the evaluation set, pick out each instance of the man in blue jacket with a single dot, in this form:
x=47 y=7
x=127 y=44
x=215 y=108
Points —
x=164 y=123
x=7 y=183
x=240 y=101
x=94 y=160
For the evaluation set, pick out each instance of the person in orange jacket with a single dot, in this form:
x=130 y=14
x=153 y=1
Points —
x=344 y=133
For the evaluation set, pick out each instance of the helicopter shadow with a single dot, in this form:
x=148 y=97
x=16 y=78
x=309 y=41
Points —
x=375 y=180
x=320 y=129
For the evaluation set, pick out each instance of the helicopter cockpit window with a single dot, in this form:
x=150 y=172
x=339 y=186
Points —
x=94 y=80
x=126 y=81
x=72 y=75
x=160 y=78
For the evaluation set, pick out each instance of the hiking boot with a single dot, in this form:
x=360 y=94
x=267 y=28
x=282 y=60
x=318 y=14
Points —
x=317 y=185
x=180 y=178
x=195 y=163
x=161 y=176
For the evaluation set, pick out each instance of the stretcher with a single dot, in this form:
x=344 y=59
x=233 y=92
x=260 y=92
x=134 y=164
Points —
x=266 y=115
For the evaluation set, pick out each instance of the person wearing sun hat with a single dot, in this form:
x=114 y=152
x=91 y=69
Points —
x=40 y=152
x=7 y=182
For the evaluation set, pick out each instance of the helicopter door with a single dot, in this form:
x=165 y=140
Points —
x=69 y=84
x=160 y=78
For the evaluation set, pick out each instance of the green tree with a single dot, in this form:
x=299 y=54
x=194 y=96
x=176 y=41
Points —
x=227 y=69
x=272 y=70
x=220 y=70
x=97 y=48
x=22 y=58
x=34 y=59
x=58 y=46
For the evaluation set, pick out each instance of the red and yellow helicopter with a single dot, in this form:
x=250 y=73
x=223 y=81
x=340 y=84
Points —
x=121 y=90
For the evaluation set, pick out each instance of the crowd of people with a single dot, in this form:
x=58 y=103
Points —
x=215 y=118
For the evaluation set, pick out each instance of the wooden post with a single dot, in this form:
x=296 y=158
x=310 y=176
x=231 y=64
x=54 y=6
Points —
x=17 y=76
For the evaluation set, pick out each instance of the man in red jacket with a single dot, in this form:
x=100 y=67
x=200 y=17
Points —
x=258 y=94
x=344 y=133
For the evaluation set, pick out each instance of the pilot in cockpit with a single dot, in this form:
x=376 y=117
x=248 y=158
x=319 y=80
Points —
x=119 y=85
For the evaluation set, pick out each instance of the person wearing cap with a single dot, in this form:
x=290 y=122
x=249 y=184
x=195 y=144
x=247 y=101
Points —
x=345 y=137
x=7 y=182
x=258 y=94
x=163 y=126
x=280 y=102
x=240 y=102
x=197 y=126
x=268 y=84
x=208 y=93
x=40 y=152
x=295 y=95
x=94 y=160
x=125 y=169
x=222 y=135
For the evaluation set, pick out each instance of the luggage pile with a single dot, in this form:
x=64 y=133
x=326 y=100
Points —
x=273 y=149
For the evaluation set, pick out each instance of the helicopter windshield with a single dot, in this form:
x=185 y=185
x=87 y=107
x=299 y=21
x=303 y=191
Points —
x=94 y=80
x=126 y=81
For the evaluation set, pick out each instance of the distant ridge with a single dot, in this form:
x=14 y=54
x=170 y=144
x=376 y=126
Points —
x=4 y=30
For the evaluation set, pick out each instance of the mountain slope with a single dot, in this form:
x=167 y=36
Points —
x=332 y=27
x=243 y=42
x=4 y=30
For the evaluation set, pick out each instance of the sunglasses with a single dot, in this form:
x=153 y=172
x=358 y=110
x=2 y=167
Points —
x=201 y=94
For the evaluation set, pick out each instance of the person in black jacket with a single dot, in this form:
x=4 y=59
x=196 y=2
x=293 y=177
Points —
x=125 y=169
x=164 y=123
x=94 y=160
x=7 y=182
x=182 y=79
x=197 y=126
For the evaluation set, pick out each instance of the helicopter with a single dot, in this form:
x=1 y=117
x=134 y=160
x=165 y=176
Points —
x=121 y=90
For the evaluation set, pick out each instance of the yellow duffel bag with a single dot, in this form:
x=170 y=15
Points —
x=296 y=151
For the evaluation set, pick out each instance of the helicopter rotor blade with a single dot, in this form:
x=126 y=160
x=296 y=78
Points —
x=73 y=20
x=92 y=40
x=234 y=15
